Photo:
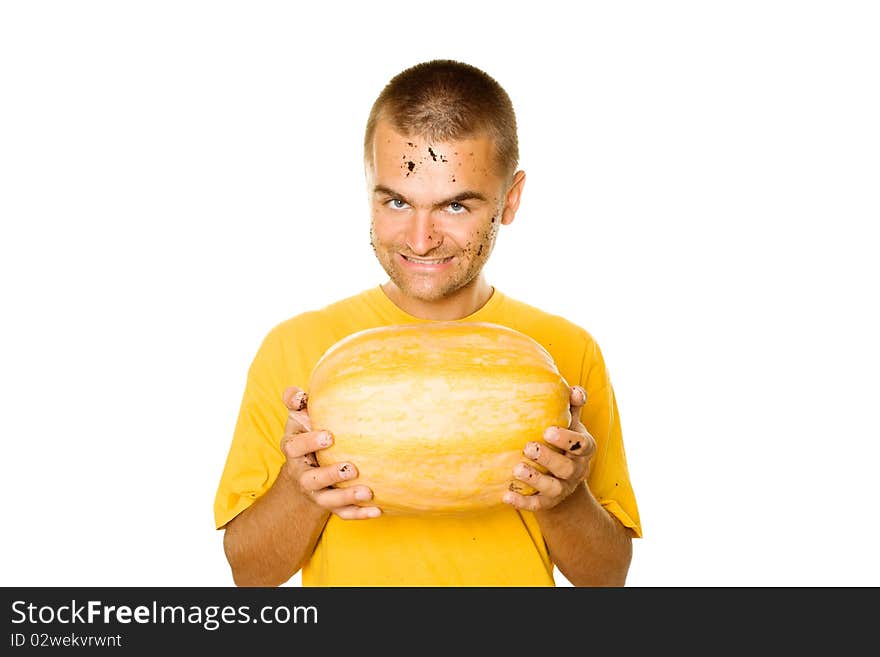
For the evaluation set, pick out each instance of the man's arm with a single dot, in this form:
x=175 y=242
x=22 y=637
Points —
x=267 y=543
x=588 y=545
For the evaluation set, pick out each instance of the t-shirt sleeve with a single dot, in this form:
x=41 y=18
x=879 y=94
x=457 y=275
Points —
x=609 y=476
x=255 y=456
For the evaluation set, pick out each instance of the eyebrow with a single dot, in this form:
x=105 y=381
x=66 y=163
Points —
x=467 y=195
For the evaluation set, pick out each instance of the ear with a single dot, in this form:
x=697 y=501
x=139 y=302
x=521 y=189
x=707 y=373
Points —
x=511 y=203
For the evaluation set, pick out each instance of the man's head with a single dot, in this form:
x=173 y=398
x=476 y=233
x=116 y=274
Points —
x=443 y=101
x=440 y=155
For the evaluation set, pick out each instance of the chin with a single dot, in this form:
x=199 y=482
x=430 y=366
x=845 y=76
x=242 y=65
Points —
x=427 y=289
x=423 y=293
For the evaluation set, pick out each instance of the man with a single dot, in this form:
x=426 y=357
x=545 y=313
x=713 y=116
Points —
x=440 y=155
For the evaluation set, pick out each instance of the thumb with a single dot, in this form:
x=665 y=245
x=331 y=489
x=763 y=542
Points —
x=296 y=400
x=576 y=400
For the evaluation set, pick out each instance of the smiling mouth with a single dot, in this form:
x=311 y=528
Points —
x=424 y=261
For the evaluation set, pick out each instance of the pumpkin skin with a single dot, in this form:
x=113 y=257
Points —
x=435 y=415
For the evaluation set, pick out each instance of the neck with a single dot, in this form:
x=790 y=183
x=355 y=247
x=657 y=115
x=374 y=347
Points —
x=463 y=302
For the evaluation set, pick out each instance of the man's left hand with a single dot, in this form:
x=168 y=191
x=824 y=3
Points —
x=566 y=466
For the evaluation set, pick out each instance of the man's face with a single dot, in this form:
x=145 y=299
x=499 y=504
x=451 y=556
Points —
x=436 y=210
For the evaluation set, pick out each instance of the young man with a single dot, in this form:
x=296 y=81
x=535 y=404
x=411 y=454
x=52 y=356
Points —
x=440 y=154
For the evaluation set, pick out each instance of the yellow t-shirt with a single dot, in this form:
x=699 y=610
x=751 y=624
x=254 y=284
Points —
x=498 y=548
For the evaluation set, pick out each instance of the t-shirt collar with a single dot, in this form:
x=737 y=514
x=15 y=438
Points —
x=395 y=315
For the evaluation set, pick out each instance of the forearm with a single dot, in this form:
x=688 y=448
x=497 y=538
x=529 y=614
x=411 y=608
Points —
x=588 y=545
x=267 y=543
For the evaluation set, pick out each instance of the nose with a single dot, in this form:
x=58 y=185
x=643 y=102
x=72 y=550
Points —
x=422 y=234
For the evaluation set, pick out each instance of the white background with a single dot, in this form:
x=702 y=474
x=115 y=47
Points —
x=702 y=195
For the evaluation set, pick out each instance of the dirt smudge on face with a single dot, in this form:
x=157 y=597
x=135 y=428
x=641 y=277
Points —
x=437 y=157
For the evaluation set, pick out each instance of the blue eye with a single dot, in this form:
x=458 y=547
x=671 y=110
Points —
x=396 y=203
x=457 y=208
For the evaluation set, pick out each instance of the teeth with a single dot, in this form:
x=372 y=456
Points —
x=427 y=262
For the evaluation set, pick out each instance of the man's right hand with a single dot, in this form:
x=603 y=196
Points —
x=299 y=445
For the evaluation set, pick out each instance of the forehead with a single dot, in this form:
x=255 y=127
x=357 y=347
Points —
x=408 y=160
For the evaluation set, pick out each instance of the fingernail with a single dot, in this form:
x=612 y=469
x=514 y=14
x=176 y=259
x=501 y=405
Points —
x=300 y=400
x=325 y=440
x=550 y=434
x=346 y=471
x=509 y=498
x=373 y=512
x=362 y=494
x=583 y=394
x=521 y=470
x=531 y=450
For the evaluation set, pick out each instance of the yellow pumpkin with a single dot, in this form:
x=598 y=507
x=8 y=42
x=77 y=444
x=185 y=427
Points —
x=435 y=415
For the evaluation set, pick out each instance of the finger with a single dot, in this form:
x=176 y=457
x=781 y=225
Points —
x=296 y=445
x=579 y=443
x=354 y=512
x=296 y=401
x=549 y=460
x=545 y=484
x=525 y=502
x=523 y=488
x=336 y=498
x=577 y=398
x=317 y=478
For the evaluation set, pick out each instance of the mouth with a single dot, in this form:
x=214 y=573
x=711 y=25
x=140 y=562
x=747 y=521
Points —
x=426 y=261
